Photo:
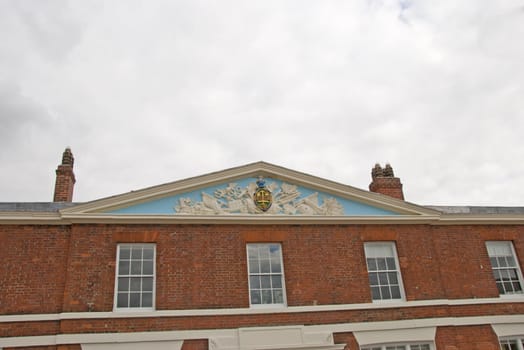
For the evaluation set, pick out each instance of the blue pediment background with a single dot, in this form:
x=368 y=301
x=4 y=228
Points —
x=235 y=198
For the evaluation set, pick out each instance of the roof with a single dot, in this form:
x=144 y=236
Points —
x=477 y=210
x=34 y=206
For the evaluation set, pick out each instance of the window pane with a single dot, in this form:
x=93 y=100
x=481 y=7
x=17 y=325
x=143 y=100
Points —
x=136 y=253
x=276 y=281
x=267 y=296
x=509 y=345
x=383 y=278
x=123 y=267
x=264 y=266
x=135 y=284
x=123 y=284
x=147 y=268
x=372 y=264
x=274 y=250
x=147 y=299
x=381 y=264
x=147 y=284
x=373 y=278
x=500 y=287
x=148 y=253
x=263 y=252
x=254 y=282
x=278 y=296
x=125 y=253
x=136 y=267
x=252 y=252
x=134 y=300
x=265 y=282
x=395 y=292
x=253 y=266
x=385 y=293
x=391 y=263
x=275 y=265
x=393 y=277
x=375 y=293
x=255 y=297
x=122 y=300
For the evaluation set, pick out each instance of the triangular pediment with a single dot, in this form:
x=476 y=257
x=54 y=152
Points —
x=231 y=192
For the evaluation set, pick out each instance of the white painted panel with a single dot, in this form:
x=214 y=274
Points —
x=318 y=338
x=155 y=345
x=396 y=335
x=269 y=337
x=506 y=330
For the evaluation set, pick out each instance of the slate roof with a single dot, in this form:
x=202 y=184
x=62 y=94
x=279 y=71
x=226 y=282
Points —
x=34 y=206
x=477 y=210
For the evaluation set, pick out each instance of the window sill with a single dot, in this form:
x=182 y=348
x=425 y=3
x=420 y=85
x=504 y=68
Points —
x=267 y=306
x=134 y=309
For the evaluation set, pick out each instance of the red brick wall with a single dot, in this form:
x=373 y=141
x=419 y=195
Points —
x=204 y=266
x=466 y=338
x=346 y=338
x=32 y=268
x=195 y=344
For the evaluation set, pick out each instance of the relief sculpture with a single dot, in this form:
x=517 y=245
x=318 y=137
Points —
x=233 y=199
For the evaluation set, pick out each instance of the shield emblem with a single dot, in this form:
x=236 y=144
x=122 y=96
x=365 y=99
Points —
x=262 y=197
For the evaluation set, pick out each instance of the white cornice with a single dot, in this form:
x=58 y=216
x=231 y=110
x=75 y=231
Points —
x=30 y=218
x=247 y=219
x=216 y=334
x=257 y=311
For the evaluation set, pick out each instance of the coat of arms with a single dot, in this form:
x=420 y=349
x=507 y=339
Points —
x=262 y=196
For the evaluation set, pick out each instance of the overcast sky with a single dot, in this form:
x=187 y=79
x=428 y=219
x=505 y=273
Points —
x=149 y=92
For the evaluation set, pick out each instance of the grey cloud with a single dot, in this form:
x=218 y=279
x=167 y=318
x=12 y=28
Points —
x=156 y=91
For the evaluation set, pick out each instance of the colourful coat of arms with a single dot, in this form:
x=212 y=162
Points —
x=262 y=196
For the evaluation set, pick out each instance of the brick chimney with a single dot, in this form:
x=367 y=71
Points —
x=65 y=178
x=385 y=182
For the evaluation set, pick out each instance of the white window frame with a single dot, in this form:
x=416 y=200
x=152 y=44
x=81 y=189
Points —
x=493 y=244
x=117 y=275
x=407 y=346
x=518 y=340
x=250 y=274
x=368 y=254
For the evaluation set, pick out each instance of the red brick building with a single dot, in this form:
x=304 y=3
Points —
x=259 y=257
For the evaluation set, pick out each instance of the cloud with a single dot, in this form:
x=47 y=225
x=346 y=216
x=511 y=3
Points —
x=152 y=92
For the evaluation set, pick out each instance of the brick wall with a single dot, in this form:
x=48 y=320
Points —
x=32 y=271
x=204 y=266
x=467 y=338
x=50 y=269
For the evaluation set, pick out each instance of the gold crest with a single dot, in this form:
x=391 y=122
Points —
x=262 y=196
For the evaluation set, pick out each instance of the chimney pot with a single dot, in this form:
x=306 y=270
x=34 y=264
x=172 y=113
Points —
x=65 y=178
x=385 y=182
